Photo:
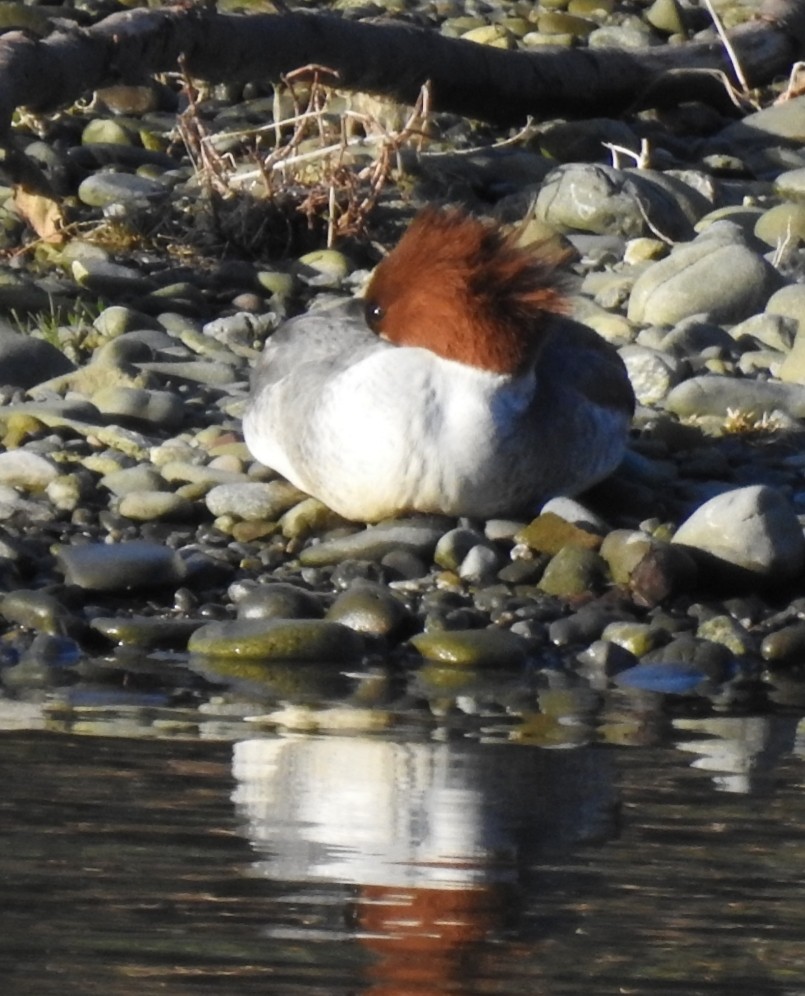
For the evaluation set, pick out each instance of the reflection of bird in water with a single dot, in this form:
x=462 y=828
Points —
x=459 y=387
x=434 y=836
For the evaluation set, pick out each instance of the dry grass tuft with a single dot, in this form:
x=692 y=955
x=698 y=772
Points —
x=315 y=163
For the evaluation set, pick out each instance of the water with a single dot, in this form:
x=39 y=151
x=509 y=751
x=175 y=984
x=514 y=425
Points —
x=314 y=864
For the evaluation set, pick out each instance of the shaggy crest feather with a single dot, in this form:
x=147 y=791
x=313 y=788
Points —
x=464 y=289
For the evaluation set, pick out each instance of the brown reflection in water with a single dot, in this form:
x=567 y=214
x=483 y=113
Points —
x=435 y=837
x=424 y=940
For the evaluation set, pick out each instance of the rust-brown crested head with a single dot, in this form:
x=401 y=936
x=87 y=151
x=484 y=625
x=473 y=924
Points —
x=464 y=289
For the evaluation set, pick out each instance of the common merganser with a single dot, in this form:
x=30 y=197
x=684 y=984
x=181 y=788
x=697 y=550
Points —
x=457 y=385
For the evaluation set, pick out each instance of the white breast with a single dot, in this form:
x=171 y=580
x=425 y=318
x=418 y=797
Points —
x=400 y=429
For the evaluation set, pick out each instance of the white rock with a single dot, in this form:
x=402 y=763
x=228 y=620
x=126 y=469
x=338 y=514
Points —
x=754 y=528
x=25 y=470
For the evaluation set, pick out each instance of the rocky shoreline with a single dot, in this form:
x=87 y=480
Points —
x=149 y=565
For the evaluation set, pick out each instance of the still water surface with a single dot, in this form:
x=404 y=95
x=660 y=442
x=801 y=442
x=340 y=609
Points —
x=302 y=865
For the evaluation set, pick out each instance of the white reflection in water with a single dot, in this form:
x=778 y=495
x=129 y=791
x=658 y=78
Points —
x=433 y=815
x=741 y=751
x=432 y=838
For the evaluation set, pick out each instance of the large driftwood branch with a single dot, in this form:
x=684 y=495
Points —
x=385 y=58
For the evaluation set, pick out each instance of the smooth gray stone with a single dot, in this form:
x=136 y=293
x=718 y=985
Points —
x=142 y=477
x=373 y=544
x=652 y=373
x=157 y=408
x=791 y=185
x=109 y=279
x=712 y=394
x=279 y=600
x=25 y=470
x=602 y=199
x=209 y=372
x=26 y=361
x=774 y=330
x=147 y=506
x=147 y=631
x=118 y=319
x=785 y=120
x=13 y=503
x=370 y=609
x=254 y=501
x=102 y=189
x=715 y=276
x=20 y=294
x=133 y=566
x=753 y=528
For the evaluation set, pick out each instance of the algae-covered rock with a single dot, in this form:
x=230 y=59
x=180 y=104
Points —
x=549 y=532
x=278 y=640
x=468 y=648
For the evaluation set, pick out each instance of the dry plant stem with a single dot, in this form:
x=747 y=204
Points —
x=208 y=165
x=795 y=86
x=343 y=193
x=733 y=57
x=642 y=159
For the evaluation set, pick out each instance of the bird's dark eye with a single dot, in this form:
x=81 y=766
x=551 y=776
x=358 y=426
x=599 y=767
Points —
x=374 y=315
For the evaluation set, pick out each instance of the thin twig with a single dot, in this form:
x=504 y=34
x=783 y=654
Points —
x=733 y=55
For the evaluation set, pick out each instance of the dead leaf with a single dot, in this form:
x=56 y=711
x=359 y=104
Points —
x=43 y=213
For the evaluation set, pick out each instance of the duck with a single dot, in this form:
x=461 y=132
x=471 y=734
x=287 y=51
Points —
x=457 y=385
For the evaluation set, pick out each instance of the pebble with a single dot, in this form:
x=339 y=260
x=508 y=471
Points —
x=784 y=644
x=20 y=294
x=663 y=572
x=454 y=545
x=308 y=516
x=25 y=470
x=36 y=610
x=374 y=543
x=253 y=502
x=102 y=189
x=133 y=566
x=623 y=549
x=98 y=276
x=773 y=328
x=652 y=373
x=571 y=510
x=210 y=373
x=550 y=533
x=141 y=477
x=370 y=608
x=480 y=565
x=26 y=360
x=278 y=640
x=637 y=638
x=146 y=632
x=753 y=528
x=490 y=648
x=584 y=626
x=781 y=225
x=183 y=470
x=574 y=570
x=12 y=504
x=711 y=394
x=601 y=199
x=784 y=120
x=716 y=275
x=730 y=633
x=150 y=506
x=154 y=408
x=279 y=600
